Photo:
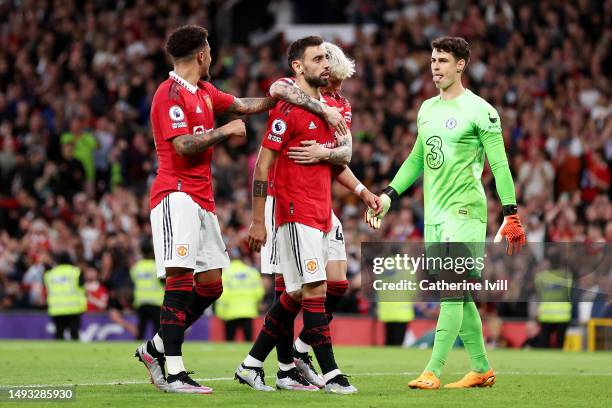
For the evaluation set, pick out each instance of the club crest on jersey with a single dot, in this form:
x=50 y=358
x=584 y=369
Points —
x=278 y=127
x=311 y=265
x=176 y=113
x=182 y=250
x=451 y=123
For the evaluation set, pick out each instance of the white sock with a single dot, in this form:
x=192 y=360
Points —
x=331 y=374
x=158 y=343
x=286 y=367
x=302 y=347
x=175 y=364
x=252 y=362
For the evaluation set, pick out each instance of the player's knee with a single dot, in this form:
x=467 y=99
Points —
x=452 y=295
x=336 y=270
x=212 y=290
x=177 y=271
x=314 y=289
x=296 y=296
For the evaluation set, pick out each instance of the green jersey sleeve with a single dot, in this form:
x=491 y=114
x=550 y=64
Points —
x=410 y=170
x=488 y=124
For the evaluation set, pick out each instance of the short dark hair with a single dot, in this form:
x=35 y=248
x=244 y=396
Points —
x=457 y=46
x=296 y=49
x=186 y=40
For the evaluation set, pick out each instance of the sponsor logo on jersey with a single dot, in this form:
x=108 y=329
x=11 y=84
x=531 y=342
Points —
x=274 y=138
x=435 y=157
x=278 y=127
x=451 y=123
x=198 y=130
x=182 y=250
x=176 y=113
x=198 y=109
x=312 y=125
x=492 y=120
x=311 y=265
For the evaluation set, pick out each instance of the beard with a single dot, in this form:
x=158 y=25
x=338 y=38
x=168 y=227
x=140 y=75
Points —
x=316 y=81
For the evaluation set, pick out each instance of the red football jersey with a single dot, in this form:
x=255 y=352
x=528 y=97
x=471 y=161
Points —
x=179 y=108
x=333 y=99
x=288 y=81
x=338 y=101
x=303 y=192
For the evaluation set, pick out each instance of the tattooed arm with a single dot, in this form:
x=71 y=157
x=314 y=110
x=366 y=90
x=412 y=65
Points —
x=186 y=145
x=257 y=230
x=247 y=106
x=311 y=152
x=295 y=96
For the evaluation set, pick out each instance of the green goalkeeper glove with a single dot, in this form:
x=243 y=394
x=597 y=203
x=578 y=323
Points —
x=374 y=218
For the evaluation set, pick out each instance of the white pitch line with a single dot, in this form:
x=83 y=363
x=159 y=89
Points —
x=405 y=373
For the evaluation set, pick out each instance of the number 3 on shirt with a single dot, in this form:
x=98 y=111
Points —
x=435 y=157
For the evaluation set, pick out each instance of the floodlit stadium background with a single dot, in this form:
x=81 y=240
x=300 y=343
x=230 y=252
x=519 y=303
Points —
x=84 y=73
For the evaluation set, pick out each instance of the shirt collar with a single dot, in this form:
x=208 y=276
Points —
x=183 y=82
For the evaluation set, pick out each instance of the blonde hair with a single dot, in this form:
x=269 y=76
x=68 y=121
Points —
x=340 y=65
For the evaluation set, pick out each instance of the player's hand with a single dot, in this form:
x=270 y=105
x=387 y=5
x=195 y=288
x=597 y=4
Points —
x=371 y=200
x=374 y=217
x=235 y=128
x=335 y=118
x=513 y=231
x=257 y=236
x=309 y=153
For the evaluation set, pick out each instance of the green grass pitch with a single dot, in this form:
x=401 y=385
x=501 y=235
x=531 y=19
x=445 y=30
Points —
x=107 y=375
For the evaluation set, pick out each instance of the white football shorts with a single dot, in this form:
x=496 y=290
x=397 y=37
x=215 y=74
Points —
x=337 y=249
x=186 y=236
x=269 y=252
x=303 y=253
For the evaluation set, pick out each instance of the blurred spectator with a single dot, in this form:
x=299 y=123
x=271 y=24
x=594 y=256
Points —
x=97 y=295
x=239 y=303
x=77 y=156
x=66 y=298
x=148 y=292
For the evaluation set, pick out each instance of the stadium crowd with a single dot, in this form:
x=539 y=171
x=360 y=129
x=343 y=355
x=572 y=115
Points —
x=77 y=156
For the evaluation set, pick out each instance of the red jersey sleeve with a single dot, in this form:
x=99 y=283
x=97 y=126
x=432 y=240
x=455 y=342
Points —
x=286 y=81
x=278 y=130
x=220 y=100
x=348 y=113
x=171 y=116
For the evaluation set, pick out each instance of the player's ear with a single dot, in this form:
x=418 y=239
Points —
x=297 y=67
x=460 y=66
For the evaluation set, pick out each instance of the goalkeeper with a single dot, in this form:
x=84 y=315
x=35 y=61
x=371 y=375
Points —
x=455 y=131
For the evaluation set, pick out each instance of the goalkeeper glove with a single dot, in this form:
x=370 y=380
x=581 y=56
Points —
x=374 y=218
x=512 y=230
